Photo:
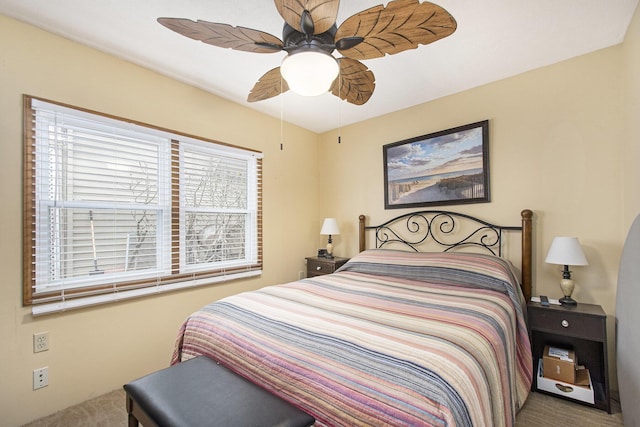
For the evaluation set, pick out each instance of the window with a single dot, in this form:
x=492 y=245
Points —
x=116 y=209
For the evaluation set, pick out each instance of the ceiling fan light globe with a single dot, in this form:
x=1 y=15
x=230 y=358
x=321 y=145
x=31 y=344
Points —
x=309 y=73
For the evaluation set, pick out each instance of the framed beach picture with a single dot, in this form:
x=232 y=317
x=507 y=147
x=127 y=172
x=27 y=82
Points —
x=442 y=168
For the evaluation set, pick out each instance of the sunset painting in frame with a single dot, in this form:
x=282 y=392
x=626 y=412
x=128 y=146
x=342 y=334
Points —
x=442 y=168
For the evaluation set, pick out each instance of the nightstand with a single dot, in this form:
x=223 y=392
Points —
x=582 y=327
x=317 y=266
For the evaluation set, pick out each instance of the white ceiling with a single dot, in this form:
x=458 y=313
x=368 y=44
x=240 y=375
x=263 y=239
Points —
x=495 y=39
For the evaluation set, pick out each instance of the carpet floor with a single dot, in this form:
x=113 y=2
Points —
x=109 y=410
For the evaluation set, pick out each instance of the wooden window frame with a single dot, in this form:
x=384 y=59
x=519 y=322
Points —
x=177 y=278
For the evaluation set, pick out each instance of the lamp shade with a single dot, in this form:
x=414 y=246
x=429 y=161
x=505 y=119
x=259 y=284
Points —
x=309 y=73
x=566 y=251
x=330 y=226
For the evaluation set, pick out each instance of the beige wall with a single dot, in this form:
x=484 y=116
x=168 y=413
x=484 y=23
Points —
x=555 y=147
x=97 y=350
x=564 y=142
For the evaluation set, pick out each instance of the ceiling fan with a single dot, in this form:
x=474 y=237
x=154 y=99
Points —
x=310 y=35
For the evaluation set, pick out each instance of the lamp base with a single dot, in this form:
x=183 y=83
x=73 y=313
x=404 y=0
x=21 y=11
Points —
x=567 y=285
x=329 y=249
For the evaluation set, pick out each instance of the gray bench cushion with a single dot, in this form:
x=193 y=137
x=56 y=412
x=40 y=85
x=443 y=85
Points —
x=200 y=392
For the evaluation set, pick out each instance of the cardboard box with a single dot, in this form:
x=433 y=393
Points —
x=559 y=364
x=572 y=391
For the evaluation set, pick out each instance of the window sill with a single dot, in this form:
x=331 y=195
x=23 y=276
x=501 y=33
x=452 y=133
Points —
x=66 y=305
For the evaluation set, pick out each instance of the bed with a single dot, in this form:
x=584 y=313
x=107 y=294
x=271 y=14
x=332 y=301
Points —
x=394 y=337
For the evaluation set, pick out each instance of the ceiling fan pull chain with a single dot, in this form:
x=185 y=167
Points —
x=339 y=109
x=281 y=116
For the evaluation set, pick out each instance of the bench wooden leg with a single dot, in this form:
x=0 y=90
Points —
x=138 y=415
x=133 y=421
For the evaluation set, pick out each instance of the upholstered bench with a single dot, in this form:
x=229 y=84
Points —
x=200 y=393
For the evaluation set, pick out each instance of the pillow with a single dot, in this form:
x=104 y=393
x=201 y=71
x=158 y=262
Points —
x=455 y=268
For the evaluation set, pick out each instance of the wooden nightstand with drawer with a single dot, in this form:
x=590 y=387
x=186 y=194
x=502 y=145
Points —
x=317 y=266
x=583 y=328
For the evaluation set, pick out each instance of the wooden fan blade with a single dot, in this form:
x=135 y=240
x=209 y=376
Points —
x=323 y=13
x=269 y=85
x=402 y=25
x=224 y=35
x=355 y=83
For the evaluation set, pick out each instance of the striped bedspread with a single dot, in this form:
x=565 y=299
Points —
x=392 y=338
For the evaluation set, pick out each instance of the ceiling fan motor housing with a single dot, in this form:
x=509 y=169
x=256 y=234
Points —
x=295 y=41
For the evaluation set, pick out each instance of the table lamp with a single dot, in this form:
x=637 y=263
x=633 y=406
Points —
x=330 y=227
x=566 y=251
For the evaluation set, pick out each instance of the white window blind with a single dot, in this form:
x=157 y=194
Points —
x=116 y=209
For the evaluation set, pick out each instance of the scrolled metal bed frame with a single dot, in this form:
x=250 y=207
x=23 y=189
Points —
x=414 y=229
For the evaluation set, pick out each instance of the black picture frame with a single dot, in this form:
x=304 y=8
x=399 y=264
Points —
x=448 y=167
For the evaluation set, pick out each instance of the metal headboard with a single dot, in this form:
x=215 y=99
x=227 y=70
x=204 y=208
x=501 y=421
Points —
x=443 y=228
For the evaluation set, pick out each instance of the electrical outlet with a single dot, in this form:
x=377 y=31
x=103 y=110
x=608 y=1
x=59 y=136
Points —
x=301 y=275
x=40 y=342
x=40 y=377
